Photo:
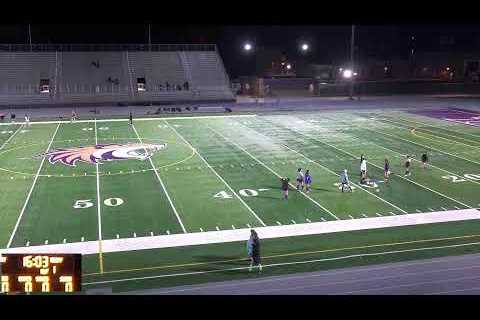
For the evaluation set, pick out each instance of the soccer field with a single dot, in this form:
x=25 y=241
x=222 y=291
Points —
x=120 y=193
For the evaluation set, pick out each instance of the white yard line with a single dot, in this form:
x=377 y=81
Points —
x=136 y=119
x=429 y=165
x=409 y=180
x=269 y=169
x=402 y=126
x=270 y=232
x=439 y=127
x=216 y=173
x=31 y=190
x=163 y=186
x=422 y=145
x=99 y=205
x=325 y=168
x=11 y=137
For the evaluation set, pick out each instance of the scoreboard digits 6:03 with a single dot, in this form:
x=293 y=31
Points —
x=37 y=273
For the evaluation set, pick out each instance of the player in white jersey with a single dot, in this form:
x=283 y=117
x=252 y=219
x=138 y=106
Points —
x=300 y=179
x=27 y=120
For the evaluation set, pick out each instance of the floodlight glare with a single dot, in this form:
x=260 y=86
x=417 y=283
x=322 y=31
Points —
x=289 y=66
x=305 y=47
x=347 y=73
x=247 y=47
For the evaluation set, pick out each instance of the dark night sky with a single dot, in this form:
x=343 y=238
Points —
x=330 y=44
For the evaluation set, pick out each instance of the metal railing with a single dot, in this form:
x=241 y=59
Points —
x=106 y=47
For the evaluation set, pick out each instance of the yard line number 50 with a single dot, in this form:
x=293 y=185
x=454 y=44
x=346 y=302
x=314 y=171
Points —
x=111 y=202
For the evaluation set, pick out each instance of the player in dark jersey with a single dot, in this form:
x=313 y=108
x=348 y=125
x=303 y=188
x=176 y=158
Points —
x=285 y=182
x=424 y=160
x=408 y=166
x=308 y=181
x=344 y=181
x=131 y=118
x=386 y=170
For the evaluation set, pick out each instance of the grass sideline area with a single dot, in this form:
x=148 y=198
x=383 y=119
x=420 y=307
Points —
x=99 y=180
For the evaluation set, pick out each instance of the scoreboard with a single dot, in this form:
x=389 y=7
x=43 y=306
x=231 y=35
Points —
x=40 y=273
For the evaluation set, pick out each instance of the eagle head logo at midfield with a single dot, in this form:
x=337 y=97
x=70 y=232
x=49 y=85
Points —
x=102 y=152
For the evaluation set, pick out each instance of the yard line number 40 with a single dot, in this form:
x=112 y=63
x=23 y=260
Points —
x=243 y=192
x=111 y=202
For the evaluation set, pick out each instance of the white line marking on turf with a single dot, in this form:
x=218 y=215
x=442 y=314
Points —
x=327 y=169
x=64 y=240
x=134 y=235
x=456 y=207
x=323 y=219
x=378 y=214
x=28 y=243
x=431 y=209
x=218 y=229
x=31 y=190
x=46 y=241
x=421 y=211
x=269 y=169
x=409 y=180
x=11 y=137
x=201 y=229
x=293 y=221
x=163 y=185
x=118 y=236
x=308 y=220
x=278 y=222
x=364 y=215
x=270 y=232
x=233 y=227
x=216 y=173
x=82 y=239
x=351 y=256
x=443 y=208
x=392 y=213
x=99 y=205
x=151 y=233
x=351 y=216
x=248 y=225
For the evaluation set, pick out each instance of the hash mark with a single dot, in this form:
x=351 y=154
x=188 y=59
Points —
x=308 y=220
x=46 y=241
x=456 y=207
x=392 y=213
x=201 y=229
x=28 y=243
x=365 y=215
x=151 y=233
x=233 y=227
x=279 y=223
x=351 y=216
x=218 y=229
x=443 y=209
x=82 y=239
x=64 y=240
x=323 y=219
x=293 y=221
x=168 y=231
x=134 y=235
x=431 y=209
x=118 y=236
x=378 y=214
x=248 y=225
x=418 y=210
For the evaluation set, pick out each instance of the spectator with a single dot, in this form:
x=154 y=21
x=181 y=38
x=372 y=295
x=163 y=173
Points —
x=186 y=85
x=254 y=251
x=167 y=85
x=12 y=117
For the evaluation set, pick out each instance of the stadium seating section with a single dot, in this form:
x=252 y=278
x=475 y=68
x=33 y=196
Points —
x=112 y=77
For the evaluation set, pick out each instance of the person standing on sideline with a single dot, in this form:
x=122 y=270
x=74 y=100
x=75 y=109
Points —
x=74 y=116
x=255 y=258
x=308 y=181
x=285 y=182
x=424 y=160
x=27 y=120
x=130 y=117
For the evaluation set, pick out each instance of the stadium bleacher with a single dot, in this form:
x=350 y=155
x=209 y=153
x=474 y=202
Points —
x=76 y=76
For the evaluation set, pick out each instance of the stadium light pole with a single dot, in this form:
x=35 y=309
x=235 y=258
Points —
x=30 y=36
x=352 y=66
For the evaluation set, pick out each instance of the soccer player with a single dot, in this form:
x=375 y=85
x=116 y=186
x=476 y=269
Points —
x=408 y=165
x=74 y=116
x=131 y=118
x=300 y=179
x=386 y=171
x=285 y=182
x=363 y=170
x=344 y=181
x=308 y=180
x=254 y=251
x=424 y=160
x=27 y=120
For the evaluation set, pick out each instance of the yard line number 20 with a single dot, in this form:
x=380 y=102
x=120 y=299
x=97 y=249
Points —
x=111 y=202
